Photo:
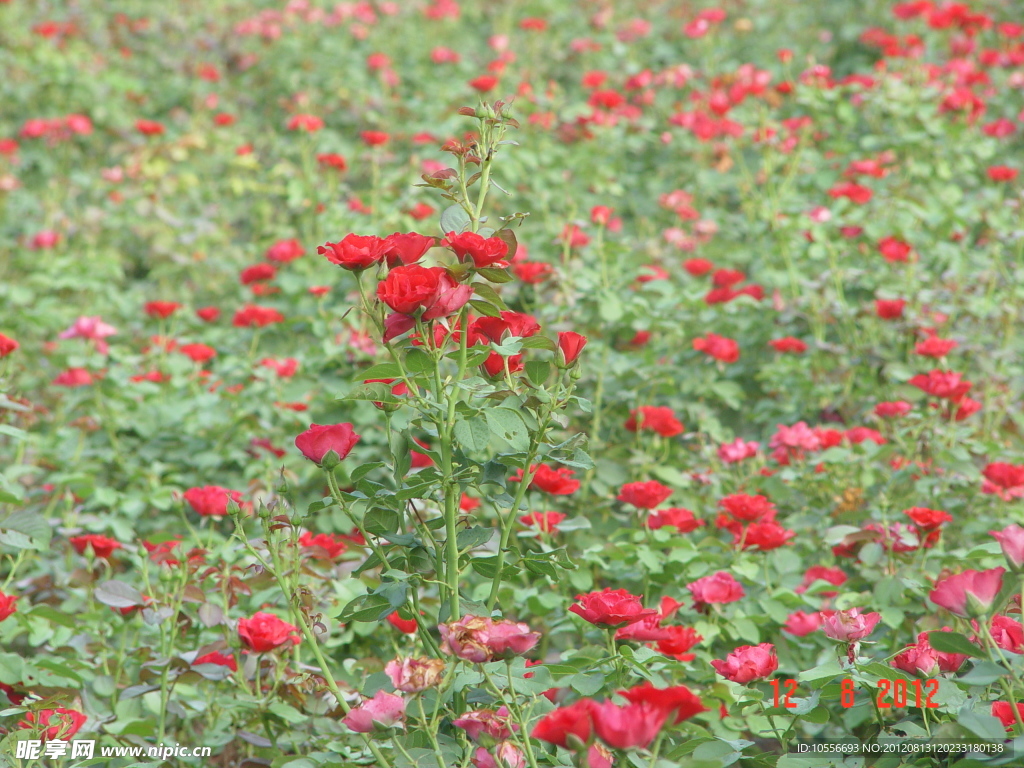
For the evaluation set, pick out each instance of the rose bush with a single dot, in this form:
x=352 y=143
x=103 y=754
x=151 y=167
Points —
x=660 y=407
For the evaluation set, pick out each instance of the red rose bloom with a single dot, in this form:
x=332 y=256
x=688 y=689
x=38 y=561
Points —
x=655 y=418
x=102 y=546
x=557 y=482
x=284 y=251
x=789 y=344
x=257 y=273
x=682 y=520
x=162 y=309
x=220 y=659
x=573 y=721
x=322 y=546
x=748 y=509
x=211 y=500
x=484 y=251
x=55 y=724
x=208 y=314
x=646 y=495
x=625 y=727
x=679 y=702
x=408 y=248
x=316 y=441
x=570 y=344
x=354 y=252
x=265 y=632
x=748 y=663
x=410 y=289
x=889 y=309
x=611 y=608
x=7 y=345
x=254 y=316
x=717 y=588
x=8 y=605
x=718 y=347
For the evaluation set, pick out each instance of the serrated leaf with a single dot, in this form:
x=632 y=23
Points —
x=473 y=434
x=117 y=594
x=509 y=426
x=952 y=642
x=494 y=275
x=455 y=219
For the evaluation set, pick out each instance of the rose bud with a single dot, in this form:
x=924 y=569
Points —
x=570 y=344
x=320 y=439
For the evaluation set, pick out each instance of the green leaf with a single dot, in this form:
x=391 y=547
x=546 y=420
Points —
x=381 y=520
x=372 y=607
x=419 y=361
x=455 y=219
x=485 y=308
x=29 y=523
x=495 y=275
x=982 y=725
x=538 y=371
x=952 y=642
x=539 y=342
x=509 y=426
x=117 y=594
x=488 y=294
x=474 y=537
x=473 y=434
x=982 y=673
x=380 y=371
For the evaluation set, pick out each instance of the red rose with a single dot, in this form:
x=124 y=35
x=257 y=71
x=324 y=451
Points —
x=558 y=726
x=199 y=353
x=355 y=252
x=56 y=724
x=789 y=344
x=220 y=659
x=102 y=546
x=747 y=663
x=570 y=344
x=645 y=495
x=655 y=418
x=252 y=315
x=322 y=546
x=265 y=632
x=719 y=587
x=208 y=314
x=681 y=519
x=748 y=509
x=211 y=500
x=889 y=309
x=678 y=701
x=162 y=309
x=557 y=482
x=8 y=605
x=409 y=289
x=284 y=251
x=7 y=345
x=625 y=727
x=718 y=347
x=611 y=608
x=484 y=251
x=257 y=273
x=404 y=249
x=316 y=441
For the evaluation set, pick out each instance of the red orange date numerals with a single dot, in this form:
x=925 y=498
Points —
x=901 y=693
x=890 y=694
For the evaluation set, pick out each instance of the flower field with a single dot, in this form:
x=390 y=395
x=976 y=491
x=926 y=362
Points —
x=511 y=384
